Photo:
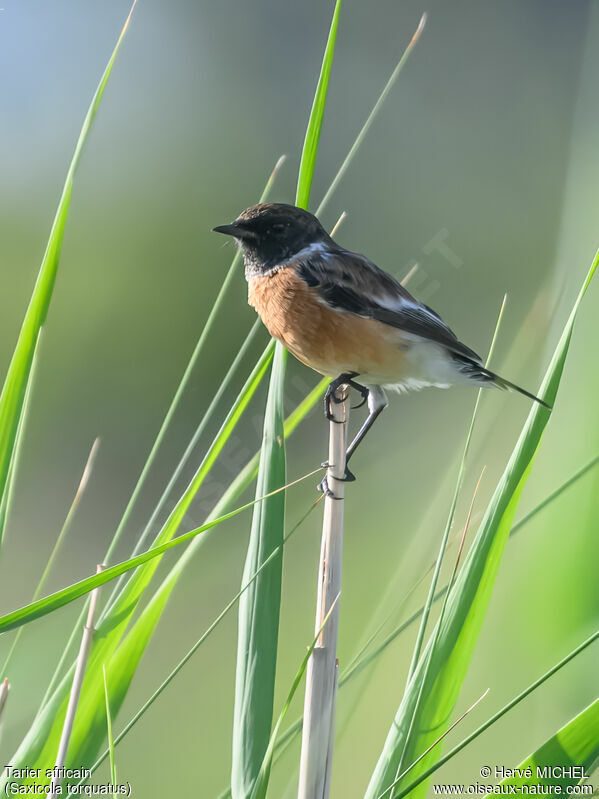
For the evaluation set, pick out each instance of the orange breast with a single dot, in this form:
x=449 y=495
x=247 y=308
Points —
x=329 y=341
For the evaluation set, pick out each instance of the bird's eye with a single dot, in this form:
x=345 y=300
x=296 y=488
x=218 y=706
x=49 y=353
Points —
x=278 y=227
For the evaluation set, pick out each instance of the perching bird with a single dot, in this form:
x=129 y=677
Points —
x=340 y=314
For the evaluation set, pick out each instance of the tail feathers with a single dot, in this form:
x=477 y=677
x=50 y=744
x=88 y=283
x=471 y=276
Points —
x=503 y=383
x=478 y=372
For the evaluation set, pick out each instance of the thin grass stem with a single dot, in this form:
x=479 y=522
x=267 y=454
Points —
x=436 y=632
x=364 y=658
x=7 y=496
x=433 y=586
x=171 y=676
x=371 y=117
x=494 y=718
x=214 y=404
x=61 y=536
x=58 y=599
x=109 y=729
x=437 y=741
x=218 y=303
x=450 y=517
x=86 y=642
x=4 y=690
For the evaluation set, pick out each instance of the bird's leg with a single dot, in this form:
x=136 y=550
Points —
x=331 y=396
x=377 y=402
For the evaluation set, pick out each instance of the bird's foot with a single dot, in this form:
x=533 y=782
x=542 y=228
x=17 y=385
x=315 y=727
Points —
x=323 y=486
x=332 y=395
x=363 y=393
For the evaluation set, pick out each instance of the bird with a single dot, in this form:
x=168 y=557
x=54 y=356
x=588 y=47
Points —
x=341 y=315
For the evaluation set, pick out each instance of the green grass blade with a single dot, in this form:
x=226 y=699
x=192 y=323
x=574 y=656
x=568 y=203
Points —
x=157 y=443
x=215 y=403
x=57 y=546
x=116 y=629
x=6 y=497
x=370 y=653
x=258 y=628
x=264 y=776
x=39 y=745
x=109 y=728
x=130 y=650
x=35 y=610
x=470 y=595
x=493 y=719
x=310 y=149
x=17 y=377
x=131 y=592
x=555 y=494
x=259 y=608
x=198 y=349
x=437 y=570
x=452 y=509
x=249 y=472
x=367 y=657
x=148 y=620
x=136 y=639
x=123 y=664
x=576 y=744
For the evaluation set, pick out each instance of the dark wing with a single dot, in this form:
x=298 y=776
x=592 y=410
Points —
x=350 y=282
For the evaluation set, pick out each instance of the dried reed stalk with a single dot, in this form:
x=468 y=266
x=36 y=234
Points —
x=321 y=679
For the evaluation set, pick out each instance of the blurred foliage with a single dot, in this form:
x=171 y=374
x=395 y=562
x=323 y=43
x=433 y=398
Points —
x=482 y=168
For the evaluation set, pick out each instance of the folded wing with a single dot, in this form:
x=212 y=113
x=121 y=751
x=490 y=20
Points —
x=349 y=282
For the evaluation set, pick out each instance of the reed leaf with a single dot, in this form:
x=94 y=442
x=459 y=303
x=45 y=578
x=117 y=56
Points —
x=131 y=592
x=6 y=497
x=160 y=437
x=126 y=658
x=574 y=653
x=259 y=606
x=109 y=728
x=574 y=746
x=124 y=650
x=35 y=610
x=39 y=743
x=314 y=128
x=370 y=652
x=431 y=694
x=183 y=383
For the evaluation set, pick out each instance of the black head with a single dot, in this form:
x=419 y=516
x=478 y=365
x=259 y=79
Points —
x=272 y=233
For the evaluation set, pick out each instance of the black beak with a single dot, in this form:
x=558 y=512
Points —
x=237 y=230
x=228 y=230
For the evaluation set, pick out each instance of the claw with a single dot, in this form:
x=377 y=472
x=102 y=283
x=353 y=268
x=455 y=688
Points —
x=332 y=397
x=379 y=401
x=323 y=486
x=328 y=397
x=359 y=405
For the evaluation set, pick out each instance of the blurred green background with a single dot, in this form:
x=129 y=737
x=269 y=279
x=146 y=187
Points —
x=482 y=168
